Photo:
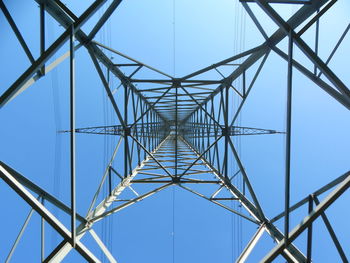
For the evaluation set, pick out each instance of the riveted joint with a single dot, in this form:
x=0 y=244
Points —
x=225 y=131
x=127 y=131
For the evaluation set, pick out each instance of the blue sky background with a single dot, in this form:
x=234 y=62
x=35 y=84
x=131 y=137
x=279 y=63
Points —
x=205 y=32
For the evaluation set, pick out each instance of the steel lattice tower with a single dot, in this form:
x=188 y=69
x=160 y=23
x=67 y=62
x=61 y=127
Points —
x=178 y=131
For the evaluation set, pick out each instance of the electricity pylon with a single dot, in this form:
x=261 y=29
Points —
x=177 y=131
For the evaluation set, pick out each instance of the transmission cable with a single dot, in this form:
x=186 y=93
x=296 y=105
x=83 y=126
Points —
x=55 y=84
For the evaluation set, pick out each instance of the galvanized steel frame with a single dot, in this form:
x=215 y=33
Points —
x=177 y=129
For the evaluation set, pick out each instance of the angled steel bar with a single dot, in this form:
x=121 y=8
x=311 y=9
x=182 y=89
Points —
x=298 y=18
x=250 y=87
x=55 y=251
x=134 y=114
x=251 y=244
x=237 y=92
x=139 y=109
x=336 y=47
x=331 y=232
x=102 y=246
x=41 y=192
x=219 y=204
x=246 y=179
x=135 y=71
x=201 y=155
x=20 y=234
x=16 y=31
x=65 y=17
x=223 y=62
x=201 y=107
x=128 y=203
x=19 y=85
x=301 y=2
x=319 y=82
x=305 y=48
x=316 y=17
x=50 y=218
x=292 y=253
x=132 y=59
x=151 y=155
x=46 y=69
x=107 y=89
x=104 y=18
x=318 y=192
x=104 y=175
x=153 y=104
x=61 y=251
x=66 y=10
x=255 y=20
x=319 y=209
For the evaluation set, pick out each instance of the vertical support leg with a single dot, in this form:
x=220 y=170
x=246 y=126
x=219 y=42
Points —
x=244 y=84
x=42 y=34
x=72 y=135
x=110 y=180
x=42 y=234
x=226 y=131
x=316 y=40
x=176 y=125
x=288 y=136
x=309 y=233
x=126 y=145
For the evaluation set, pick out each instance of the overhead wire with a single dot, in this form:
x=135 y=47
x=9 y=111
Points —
x=55 y=85
x=107 y=225
x=239 y=36
x=110 y=121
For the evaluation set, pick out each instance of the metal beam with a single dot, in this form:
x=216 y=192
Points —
x=72 y=134
x=20 y=234
x=331 y=232
x=319 y=209
x=251 y=244
x=64 y=248
x=41 y=192
x=102 y=246
x=305 y=48
x=104 y=18
x=288 y=136
x=298 y=18
x=292 y=253
x=319 y=82
x=107 y=89
x=318 y=192
x=16 y=31
x=19 y=85
x=49 y=217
